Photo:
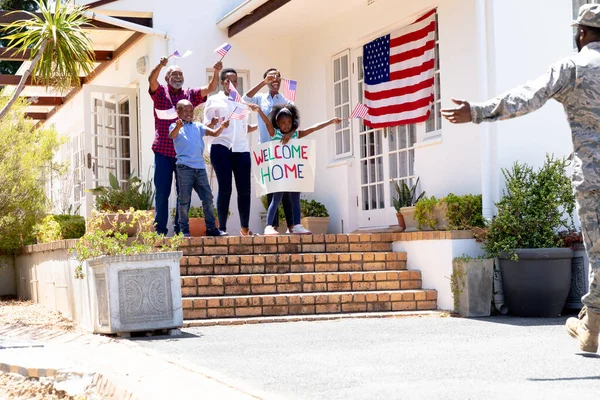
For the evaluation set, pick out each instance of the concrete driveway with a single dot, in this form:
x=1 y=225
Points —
x=396 y=358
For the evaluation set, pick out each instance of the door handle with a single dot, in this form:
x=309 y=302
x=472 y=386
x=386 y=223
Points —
x=89 y=160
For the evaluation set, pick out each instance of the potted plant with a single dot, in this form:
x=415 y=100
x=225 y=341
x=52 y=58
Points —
x=471 y=283
x=535 y=269
x=197 y=222
x=579 y=268
x=315 y=216
x=133 y=194
x=404 y=202
x=134 y=282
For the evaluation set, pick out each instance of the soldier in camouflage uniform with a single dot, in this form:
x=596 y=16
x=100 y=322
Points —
x=574 y=82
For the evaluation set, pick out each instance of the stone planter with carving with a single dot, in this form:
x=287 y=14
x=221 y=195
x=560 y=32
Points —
x=136 y=293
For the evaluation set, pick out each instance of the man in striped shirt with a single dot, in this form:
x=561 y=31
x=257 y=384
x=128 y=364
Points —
x=165 y=97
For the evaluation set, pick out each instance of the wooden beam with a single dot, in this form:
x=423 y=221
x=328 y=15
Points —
x=255 y=16
x=38 y=116
x=133 y=39
x=99 y=3
x=8 y=17
x=44 y=100
x=14 y=80
x=13 y=55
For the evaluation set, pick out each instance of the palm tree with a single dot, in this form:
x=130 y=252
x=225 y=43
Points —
x=60 y=48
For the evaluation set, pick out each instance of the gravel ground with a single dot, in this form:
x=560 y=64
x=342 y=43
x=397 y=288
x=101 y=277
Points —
x=26 y=313
x=14 y=386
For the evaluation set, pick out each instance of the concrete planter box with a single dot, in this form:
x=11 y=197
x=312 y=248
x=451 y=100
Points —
x=409 y=218
x=135 y=293
x=317 y=225
x=475 y=285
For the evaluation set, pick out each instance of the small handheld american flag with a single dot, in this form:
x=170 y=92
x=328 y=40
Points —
x=238 y=113
x=233 y=94
x=223 y=49
x=360 y=111
x=289 y=89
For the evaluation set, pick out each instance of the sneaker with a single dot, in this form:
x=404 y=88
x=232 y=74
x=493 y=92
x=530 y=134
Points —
x=269 y=230
x=221 y=233
x=300 y=230
x=213 y=232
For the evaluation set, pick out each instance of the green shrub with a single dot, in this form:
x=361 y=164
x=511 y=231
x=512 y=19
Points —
x=312 y=208
x=424 y=213
x=464 y=212
x=535 y=206
x=26 y=155
x=59 y=227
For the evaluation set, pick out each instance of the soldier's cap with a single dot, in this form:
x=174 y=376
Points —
x=589 y=15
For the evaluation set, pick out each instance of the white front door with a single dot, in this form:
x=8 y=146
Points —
x=110 y=137
x=384 y=155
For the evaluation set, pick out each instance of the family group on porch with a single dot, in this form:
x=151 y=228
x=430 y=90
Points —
x=179 y=146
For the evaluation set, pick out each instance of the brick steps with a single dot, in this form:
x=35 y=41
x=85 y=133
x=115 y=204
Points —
x=192 y=265
x=220 y=285
x=287 y=244
x=297 y=276
x=191 y=323
x=308 y=303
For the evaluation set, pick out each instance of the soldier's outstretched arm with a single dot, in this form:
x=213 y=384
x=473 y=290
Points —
x=557 y=82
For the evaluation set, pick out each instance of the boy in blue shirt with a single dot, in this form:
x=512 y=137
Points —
x=191 y=171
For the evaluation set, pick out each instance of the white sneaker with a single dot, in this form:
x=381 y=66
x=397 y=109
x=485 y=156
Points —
x=222 y=233
x=269 y=230
x=300 y=230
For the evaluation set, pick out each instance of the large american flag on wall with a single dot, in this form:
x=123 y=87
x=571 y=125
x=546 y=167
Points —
x=399 y=74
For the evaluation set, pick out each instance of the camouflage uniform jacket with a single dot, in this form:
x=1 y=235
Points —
x=574 y=82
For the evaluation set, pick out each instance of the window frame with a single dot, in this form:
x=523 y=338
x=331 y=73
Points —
x=346 y=125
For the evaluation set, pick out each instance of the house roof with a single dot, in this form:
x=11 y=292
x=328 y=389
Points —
x=286 y=17
x=109 y=41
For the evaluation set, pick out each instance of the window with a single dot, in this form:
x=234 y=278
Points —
x=401 y=141
x=341 y=104
x=434 y=123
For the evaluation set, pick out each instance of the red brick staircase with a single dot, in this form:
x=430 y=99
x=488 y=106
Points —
x=242 y=277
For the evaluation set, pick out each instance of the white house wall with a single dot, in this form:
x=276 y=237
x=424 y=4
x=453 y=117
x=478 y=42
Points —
x=453 y=165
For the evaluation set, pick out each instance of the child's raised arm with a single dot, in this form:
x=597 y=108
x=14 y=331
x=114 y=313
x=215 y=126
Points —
x=217 y=132
x=178 y=125
x=305 y=132
x=265 y=119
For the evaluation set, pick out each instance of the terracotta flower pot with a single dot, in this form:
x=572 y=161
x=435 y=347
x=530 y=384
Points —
x=197 y=227
x=401 y=221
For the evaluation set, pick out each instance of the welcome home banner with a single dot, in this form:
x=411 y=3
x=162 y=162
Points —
x=284 y=168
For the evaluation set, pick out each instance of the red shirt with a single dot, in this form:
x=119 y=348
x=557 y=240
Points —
x=166 y=98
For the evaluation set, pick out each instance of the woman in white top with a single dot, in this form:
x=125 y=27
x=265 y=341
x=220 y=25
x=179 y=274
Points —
x=230 y=153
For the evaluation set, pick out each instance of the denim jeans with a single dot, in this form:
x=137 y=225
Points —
x=226 y=162
x=286 y=200
x=194 y=179
x=274 y=205
x=164 y=168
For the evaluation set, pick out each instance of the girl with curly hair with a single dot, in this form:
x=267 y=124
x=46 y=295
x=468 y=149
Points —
x=283 y=125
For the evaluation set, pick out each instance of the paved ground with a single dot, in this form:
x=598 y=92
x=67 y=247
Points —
x=404 y=358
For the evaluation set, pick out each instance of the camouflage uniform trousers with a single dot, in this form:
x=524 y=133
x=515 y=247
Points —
x=588 y=206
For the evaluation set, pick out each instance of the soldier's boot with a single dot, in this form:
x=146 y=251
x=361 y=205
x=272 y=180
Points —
x=585 y=329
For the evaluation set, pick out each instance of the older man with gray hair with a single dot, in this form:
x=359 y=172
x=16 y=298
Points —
x=165 y=97
x=574 y=82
